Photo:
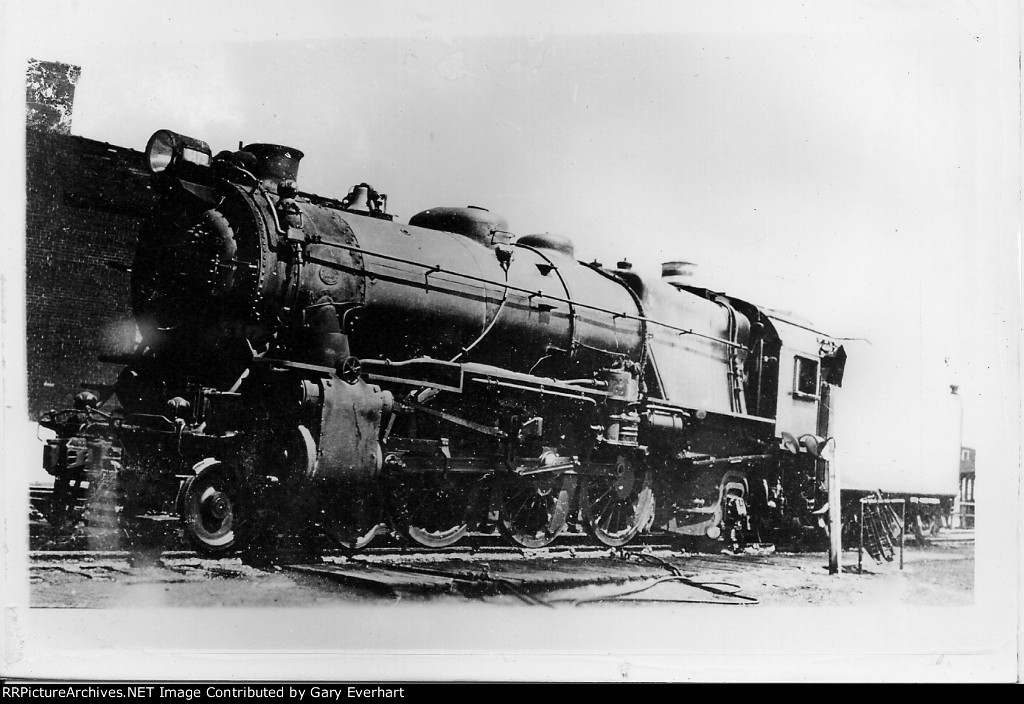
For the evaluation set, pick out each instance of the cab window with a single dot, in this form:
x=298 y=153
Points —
x=805 y=381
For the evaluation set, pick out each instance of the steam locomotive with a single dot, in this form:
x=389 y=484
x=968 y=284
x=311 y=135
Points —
x=307 y=361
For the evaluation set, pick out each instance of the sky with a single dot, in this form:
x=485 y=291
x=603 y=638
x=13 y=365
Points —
x=849 y=163
x=855 y=163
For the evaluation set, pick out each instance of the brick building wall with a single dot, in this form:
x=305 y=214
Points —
x=86 y=200
x=50 y=95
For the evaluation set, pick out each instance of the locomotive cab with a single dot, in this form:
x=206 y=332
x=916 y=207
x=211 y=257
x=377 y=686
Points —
x=738 y=407
x=802 y=397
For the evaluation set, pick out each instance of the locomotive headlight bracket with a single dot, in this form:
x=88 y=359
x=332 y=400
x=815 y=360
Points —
x=167 y=150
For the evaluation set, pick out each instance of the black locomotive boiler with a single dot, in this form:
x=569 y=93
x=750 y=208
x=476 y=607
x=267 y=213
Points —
x=306 y=362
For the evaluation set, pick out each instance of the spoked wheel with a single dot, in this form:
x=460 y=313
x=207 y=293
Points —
x=209 y=509
x=351 y=515
x=532 y=511
x=617 y=506
x=431 y=510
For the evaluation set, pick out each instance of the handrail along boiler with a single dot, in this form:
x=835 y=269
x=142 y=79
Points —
x=309 y=362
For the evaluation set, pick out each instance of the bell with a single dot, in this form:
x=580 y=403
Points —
x=358 y=199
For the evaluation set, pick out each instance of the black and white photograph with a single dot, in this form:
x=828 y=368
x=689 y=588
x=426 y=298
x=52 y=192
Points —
x=532 y=341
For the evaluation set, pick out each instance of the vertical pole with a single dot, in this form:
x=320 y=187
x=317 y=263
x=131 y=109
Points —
x=954 y=390
x=860 y=542
x=903 y=532
x=835 y=543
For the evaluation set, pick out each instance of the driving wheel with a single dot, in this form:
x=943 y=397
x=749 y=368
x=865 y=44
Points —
x=433 y=510
x=350 y=515
x=532 y=511
x=617 y=505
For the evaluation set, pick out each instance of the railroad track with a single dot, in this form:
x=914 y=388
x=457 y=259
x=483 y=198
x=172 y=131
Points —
x=546 y=577
x=482 y=566
x=66 y=570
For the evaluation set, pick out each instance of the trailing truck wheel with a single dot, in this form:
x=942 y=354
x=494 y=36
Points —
x=209 y=509
x=617 y=506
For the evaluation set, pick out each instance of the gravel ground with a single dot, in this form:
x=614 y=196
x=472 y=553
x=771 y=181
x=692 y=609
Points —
x=160 y=615
x=941 y=574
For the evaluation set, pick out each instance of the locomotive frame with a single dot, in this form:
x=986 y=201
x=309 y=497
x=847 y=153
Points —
x=307 y=363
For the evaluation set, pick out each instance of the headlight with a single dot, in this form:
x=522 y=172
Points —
x=168 y=149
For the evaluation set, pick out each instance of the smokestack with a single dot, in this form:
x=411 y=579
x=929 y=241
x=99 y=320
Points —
x=275 y=164
x=50 y=95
